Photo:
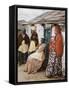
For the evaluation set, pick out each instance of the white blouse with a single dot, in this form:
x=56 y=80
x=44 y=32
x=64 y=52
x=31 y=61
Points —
x=23 y=47
x=37 y=56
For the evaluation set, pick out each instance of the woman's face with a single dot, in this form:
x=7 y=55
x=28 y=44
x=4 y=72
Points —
x=41 y=48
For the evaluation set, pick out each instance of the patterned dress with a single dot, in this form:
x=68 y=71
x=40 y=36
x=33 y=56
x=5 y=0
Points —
x=54 y=67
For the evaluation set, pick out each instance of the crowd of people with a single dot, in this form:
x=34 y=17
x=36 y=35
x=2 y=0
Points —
x=32 y=53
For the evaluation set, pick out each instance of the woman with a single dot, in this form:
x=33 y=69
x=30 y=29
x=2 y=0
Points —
x=35 y=60
x=33 y=40
x=23 y=48
x=54 y=67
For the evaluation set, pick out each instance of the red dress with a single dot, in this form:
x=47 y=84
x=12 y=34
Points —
x=57 y=44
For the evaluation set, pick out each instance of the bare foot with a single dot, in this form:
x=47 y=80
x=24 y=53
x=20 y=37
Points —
x=34 y=72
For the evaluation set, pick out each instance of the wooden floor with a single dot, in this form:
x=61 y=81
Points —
x=39 y=76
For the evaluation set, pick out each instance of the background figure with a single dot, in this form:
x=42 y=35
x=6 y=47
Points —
x=23 y=48
x=40 y=31
x=54 y=67
x=33 y=40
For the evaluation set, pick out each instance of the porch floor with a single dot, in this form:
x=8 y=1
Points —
x=39 y=76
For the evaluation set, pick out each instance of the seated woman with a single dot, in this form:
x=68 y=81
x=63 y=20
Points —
x=33 y=41
x=23 y=48
x=35 y=60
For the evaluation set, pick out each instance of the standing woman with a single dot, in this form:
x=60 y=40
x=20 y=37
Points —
x=54 y=67
x=33 y=40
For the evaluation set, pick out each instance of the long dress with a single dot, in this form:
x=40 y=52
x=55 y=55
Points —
x=23 y=49
x=22 y=53
x=54 y=67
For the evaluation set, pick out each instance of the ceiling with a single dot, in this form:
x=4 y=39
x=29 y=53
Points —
x=29 y=16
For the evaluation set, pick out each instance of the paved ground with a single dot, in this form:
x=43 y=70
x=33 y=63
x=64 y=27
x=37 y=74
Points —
x=23 y=76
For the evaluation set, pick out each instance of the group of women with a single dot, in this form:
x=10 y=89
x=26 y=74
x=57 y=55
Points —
x=32 y=54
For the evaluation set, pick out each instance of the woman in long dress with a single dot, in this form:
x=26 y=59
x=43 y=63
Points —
x=33 y=40
x=23 y=48
x=35 y=60
x=54 y=67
